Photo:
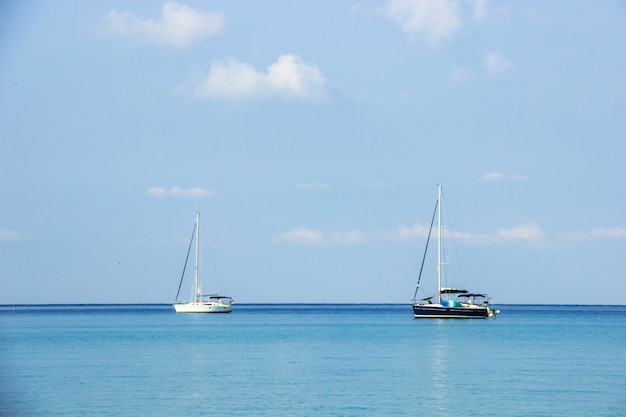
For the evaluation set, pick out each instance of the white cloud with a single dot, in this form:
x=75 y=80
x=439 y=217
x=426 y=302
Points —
x=493 y=176
x=178 y=25
x=317 y=186
x=529 y=233
x=195 y=192
x=435 y=21
x=311 y=237
x=495 y=63
x=11 y=236
x=417 y=230
x=499 y=176
x=460 y=75
x=288 y=77
x=480 y=8
x=613 y=233
x=600 y=233
x=350 y=237
x=303 y=235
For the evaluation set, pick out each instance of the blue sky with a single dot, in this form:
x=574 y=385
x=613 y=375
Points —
x=311 y=136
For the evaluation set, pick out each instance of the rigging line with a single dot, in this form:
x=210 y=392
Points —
x=425 y=250
x=186 y=260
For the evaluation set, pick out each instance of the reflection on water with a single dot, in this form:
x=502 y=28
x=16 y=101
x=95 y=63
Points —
x=440 y=367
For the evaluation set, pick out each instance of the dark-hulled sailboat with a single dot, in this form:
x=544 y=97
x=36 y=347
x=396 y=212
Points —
x=448 y=302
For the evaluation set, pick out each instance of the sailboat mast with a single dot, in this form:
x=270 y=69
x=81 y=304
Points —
x=196 y=289
x=439 y=244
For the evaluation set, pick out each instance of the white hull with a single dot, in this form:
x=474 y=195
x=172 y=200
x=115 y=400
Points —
x=203 y=307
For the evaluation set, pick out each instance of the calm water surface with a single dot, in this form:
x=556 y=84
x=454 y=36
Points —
x=311 y=360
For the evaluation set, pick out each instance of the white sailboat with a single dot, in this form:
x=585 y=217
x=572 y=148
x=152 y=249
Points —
x=449 y=302
x=200 y=303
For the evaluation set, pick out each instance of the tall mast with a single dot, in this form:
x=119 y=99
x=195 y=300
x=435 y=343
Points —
x=439 y=244
x=197 y=290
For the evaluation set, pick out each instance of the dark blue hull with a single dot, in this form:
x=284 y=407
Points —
x=439 y=312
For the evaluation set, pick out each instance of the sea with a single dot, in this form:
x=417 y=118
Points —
x=311 y=360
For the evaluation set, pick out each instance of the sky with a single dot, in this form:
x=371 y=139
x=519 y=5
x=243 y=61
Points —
x=311 y=136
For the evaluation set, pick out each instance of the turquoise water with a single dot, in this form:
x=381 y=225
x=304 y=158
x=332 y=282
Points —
x=311 y=360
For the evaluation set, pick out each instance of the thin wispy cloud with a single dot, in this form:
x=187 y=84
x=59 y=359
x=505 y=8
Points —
x=597 y=233
x=311 y=237
x=177 y=192
x=315 y=186
x=178 y=26
x=351 y=237
x=408 y=232
x=479 y=8
x=493 y=176
x=460 y=75
x=495 y=63
x=12 y=236
x=529 y=233
x=435 y=21
x=302 y=235
x=499 y=176
x=610 y=233
x=288 y=77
